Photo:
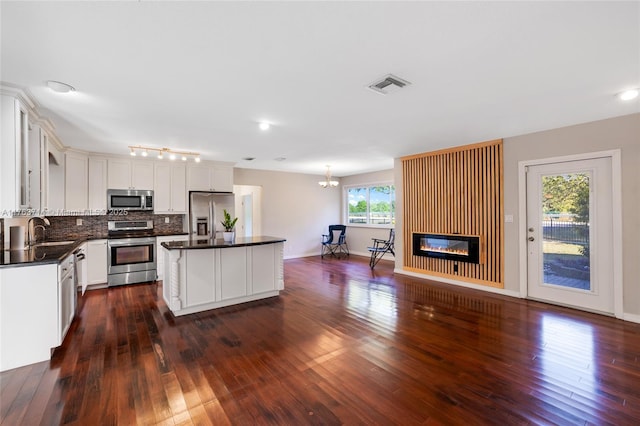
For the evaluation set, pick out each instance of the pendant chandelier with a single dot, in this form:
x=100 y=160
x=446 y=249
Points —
x=328 y=183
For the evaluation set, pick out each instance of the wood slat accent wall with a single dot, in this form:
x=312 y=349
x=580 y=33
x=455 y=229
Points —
x=456 y=191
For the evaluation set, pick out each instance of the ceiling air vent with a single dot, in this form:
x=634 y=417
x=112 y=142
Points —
x=388 y=84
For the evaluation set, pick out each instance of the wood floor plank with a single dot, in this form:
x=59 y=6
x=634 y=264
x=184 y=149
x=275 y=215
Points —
x=341 y=345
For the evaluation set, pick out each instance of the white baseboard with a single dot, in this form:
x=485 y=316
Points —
x=354 y=253
x=631 y=318
x=296 y=256
x=488 y=289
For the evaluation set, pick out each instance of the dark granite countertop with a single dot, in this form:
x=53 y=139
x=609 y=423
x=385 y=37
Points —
x=38 y=255
x=42 y=254
x=218 y=243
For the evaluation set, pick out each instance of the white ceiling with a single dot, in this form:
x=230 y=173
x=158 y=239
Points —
x=198 y=76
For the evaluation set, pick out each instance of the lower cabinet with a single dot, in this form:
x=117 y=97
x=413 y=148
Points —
x=160 y=251
x=210 y=278
x=200 y=272
x=264 y=263
x=37 y=307
x=96 y=255
x=232 y=266
x=66 y=296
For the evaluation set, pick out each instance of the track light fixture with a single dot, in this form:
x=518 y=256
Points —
x=172 y=153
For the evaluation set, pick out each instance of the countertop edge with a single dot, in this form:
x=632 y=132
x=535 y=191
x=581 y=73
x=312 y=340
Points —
x=69 y=249
x=219 y=244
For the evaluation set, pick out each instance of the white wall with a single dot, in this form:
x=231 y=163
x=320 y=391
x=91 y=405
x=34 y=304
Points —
x=294 y=207
x=359 y=237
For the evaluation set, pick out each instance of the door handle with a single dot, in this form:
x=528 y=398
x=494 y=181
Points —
x=531 y=239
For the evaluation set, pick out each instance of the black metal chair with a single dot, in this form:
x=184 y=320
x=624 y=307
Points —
x=380 y=247
x=335 y=242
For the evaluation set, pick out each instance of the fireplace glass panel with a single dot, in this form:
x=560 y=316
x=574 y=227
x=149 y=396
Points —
x=464 y=248
x=440 y=245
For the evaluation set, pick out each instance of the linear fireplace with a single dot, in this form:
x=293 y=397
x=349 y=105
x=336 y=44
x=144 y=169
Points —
x=463 y=248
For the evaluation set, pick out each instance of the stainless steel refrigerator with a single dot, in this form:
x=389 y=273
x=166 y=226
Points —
x=206 y=212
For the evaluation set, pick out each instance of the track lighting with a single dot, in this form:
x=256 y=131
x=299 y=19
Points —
x=144 y=151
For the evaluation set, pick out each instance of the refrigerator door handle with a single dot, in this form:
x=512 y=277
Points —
x=212 y=217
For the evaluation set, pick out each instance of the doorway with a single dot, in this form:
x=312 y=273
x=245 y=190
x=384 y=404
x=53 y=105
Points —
x=570 y=246
x=248 y=202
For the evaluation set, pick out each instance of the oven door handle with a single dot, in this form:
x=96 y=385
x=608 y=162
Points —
x=123 y=243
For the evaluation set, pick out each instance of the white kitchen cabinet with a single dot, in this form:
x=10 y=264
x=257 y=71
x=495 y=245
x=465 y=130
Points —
x=264 y=261
x=55 y=178
x=232 y=278
x=200 y=270
x=142 y=173
x=160 y=251
x=76 y=182
x=28 y=314
x=202 y=278
x=210 y=177
x=96 y=262
x=66 y=296
x=118 y=173
x=37 y=167
x=129 y=174
x=97 y=185
x=170 y=188
x=14 y=154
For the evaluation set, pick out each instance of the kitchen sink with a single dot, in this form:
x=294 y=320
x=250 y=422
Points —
x=53 y=243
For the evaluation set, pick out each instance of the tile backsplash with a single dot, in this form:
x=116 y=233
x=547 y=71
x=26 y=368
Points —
x=66 y=227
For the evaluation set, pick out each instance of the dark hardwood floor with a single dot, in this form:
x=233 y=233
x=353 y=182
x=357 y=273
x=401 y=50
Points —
x=341 y=345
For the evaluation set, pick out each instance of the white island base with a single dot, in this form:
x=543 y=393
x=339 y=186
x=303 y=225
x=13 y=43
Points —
x=207 y=274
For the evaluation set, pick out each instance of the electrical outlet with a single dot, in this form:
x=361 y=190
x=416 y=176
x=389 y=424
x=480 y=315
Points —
x=166 y=220
x=78 y=222
x=508 y=218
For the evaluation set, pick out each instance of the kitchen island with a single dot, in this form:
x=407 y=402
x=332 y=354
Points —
x=203 y=274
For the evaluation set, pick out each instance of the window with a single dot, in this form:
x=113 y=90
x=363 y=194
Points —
x=371 y=205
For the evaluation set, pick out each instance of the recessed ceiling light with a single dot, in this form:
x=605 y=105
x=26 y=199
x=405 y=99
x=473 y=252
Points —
x=58 y=86
x=264 y=125
x=628 y=95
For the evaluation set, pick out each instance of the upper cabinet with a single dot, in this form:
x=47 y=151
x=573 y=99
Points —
x=97 y=184
x=129 y=174
x=55 y=177
x=210 y=177
x=170 y=190
x=14 y=158
x=76 y=183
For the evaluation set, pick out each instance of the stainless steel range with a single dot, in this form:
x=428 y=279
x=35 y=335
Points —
x=131 y=252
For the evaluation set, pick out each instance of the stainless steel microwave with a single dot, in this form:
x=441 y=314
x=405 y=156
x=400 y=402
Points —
x=129 y=199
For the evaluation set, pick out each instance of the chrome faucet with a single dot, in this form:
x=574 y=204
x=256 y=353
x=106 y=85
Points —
x=31 y=230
